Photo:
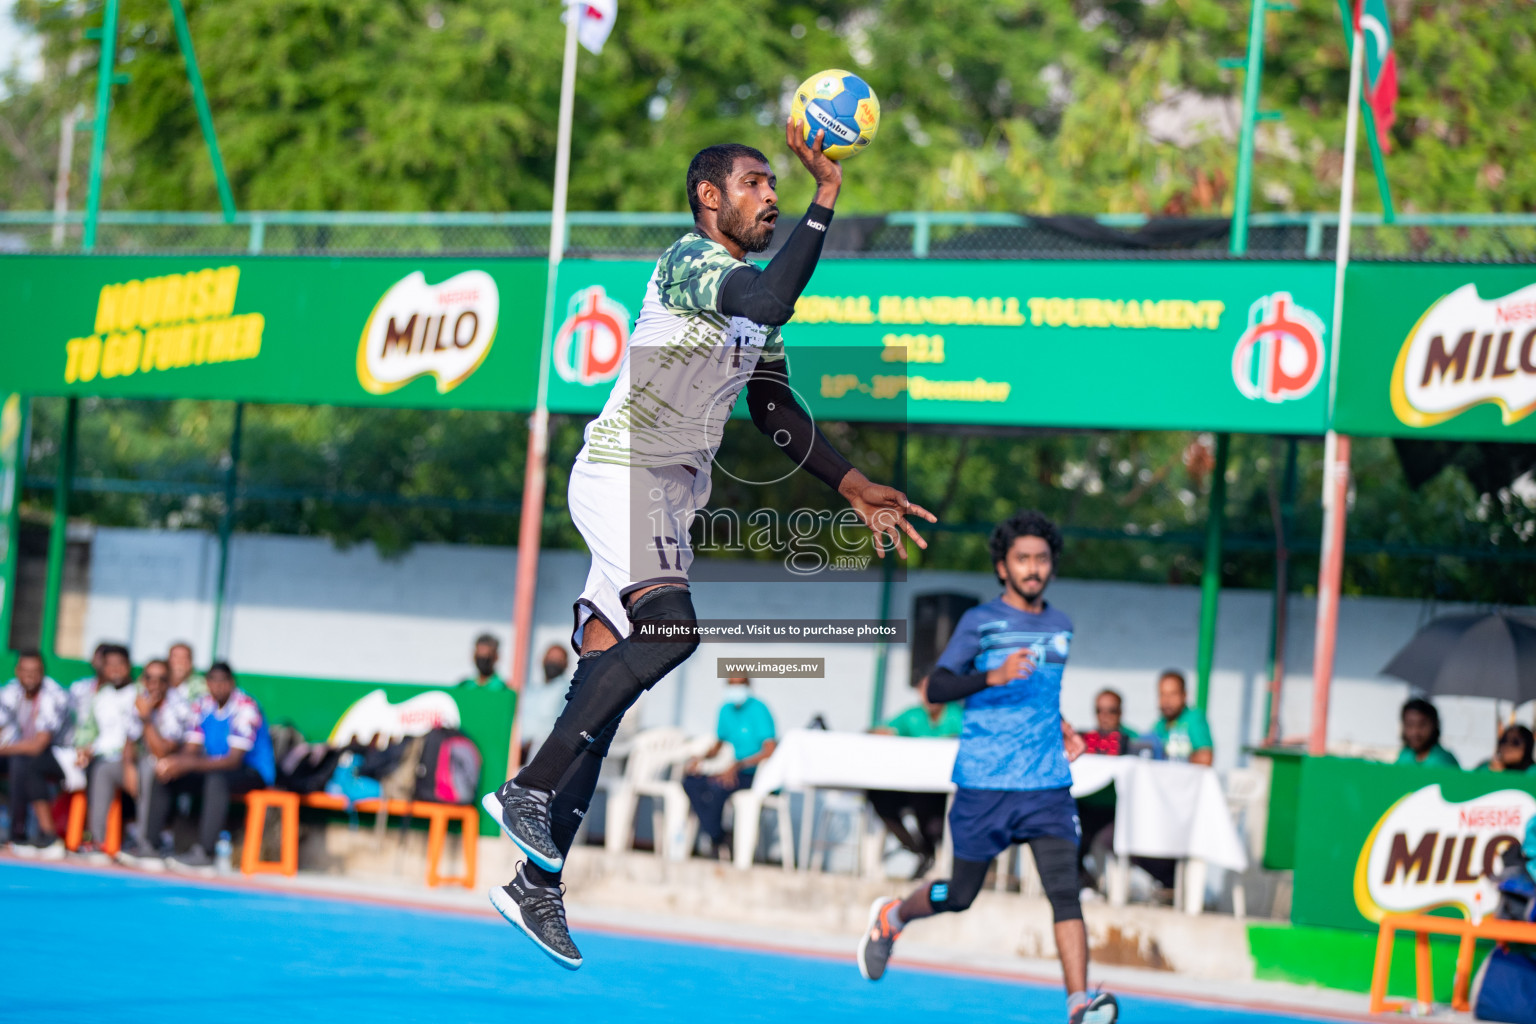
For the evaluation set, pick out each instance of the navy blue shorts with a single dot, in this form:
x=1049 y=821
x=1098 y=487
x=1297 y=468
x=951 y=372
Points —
x=985 y=822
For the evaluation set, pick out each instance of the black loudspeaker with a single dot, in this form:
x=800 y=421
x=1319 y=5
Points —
x=934 y=618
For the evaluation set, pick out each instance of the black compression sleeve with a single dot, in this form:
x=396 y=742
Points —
x=768 y=296
x=945 y=686
x=776 y=413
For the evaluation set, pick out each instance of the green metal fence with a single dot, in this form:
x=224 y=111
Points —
x=1440 y=236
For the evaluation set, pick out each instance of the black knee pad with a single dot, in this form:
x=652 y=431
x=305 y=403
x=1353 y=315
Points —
x=1056 y=861
x=665 y=634
x=946 y=899
x=958 y=892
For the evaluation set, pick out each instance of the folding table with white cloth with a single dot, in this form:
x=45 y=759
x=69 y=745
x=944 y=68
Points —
x=1163 y=808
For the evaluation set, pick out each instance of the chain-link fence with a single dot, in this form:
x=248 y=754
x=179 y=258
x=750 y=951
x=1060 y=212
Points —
x=1478 y=237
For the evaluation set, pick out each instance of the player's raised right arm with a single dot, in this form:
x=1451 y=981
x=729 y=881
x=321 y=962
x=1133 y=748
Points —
x=768 y=296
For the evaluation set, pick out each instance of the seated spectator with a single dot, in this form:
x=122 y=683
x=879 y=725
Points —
x=81 y=692
x=228 y=750
x=923 y=719
x=747 y=725
x=190 y=683
x=1421 y=736
x=487 y=652
x=542 y=700
x=33 y=708
x=1513 y=753
x=163 y=719
x=1109 y=736
x=105 y=728
x=1096 y=811
x=1183 y=730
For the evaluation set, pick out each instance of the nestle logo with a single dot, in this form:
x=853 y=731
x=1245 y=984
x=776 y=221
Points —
x=1491 y=817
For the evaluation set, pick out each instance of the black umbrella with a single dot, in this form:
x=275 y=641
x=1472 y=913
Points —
x=1488 y=654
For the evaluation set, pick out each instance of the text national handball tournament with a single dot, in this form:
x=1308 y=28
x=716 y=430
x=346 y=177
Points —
x=1005 y=444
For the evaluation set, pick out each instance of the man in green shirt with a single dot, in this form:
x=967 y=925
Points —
x=924 y=720
x=1421 y=736
x=1185 y=733
x=487 y=653
x=747 y=725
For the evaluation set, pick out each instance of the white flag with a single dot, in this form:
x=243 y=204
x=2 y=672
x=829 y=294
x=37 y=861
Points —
x=597 y=18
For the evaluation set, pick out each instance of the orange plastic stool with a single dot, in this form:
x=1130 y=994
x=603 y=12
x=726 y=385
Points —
x=256 y=803
x=74 y=832
x=437 y=836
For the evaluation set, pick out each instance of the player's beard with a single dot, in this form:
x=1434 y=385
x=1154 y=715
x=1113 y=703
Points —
x=1031 y=589
x=752 y=237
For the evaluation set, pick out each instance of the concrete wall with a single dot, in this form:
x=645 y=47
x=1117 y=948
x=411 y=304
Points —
x=300 y=605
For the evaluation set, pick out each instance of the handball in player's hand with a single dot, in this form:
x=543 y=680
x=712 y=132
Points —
x=842 y=105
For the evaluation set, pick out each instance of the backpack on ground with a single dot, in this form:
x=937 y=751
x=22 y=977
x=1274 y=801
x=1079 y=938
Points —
x=449 y=770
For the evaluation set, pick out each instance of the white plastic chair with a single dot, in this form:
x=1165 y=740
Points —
x=649 y=772
x=778 y=803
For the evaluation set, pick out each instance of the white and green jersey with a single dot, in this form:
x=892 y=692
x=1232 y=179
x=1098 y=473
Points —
x=684 y=367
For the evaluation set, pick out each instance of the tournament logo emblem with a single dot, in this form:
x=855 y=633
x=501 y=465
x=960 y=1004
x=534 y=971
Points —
x=1428 y=852
x=417 y=329
x=1464 y=351
x=1280 y=356
x=590 y=343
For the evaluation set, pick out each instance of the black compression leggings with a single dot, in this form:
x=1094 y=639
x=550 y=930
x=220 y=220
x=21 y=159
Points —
x=1055 y=859
x=573 y=797
x=617 y=678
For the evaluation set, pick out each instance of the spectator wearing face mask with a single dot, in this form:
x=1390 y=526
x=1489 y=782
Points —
x=747 y=725
x=487 y=653
x=542 y=700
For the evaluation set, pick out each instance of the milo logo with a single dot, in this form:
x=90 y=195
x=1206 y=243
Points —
x=1428 y=852
x=1465 y=351
x=418 y=329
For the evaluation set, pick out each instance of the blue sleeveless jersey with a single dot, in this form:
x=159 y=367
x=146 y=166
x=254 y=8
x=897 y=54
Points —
x=1011 y=737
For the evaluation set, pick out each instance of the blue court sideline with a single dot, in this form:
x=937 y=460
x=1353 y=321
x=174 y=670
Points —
x=116 y=946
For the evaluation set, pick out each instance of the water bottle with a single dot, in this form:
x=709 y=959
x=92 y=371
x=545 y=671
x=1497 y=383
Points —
x=221 y=857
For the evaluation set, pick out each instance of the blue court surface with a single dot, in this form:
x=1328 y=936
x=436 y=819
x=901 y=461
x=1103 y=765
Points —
x=110 y=945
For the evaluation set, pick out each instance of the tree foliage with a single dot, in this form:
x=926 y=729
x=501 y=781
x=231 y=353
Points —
x=1028 y=105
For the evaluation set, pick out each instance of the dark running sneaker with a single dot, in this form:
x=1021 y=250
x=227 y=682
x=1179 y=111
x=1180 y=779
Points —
x=539 y=913
x=195 y=861
x=878 y=941
x=1101 y=1009
x=523 y=815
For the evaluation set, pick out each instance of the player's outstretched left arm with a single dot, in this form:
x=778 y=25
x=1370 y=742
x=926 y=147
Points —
x=777 y=413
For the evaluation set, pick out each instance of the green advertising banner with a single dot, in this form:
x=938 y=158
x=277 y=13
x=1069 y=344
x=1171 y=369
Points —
x=448 y=333
x=1377 y=838
x=1177 y=345
x=1442 y=350
x=13 y=425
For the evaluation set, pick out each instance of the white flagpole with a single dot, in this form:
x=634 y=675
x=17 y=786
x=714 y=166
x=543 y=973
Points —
x=538 y=425
x=1335 y=448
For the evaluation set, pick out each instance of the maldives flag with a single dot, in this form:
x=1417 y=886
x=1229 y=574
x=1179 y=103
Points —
x=1372 y=21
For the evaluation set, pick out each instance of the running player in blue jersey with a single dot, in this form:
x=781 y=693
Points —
x=1012 y=781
